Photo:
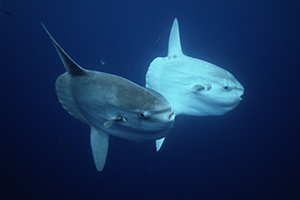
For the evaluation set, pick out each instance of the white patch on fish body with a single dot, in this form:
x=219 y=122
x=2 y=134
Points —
x=192 y=86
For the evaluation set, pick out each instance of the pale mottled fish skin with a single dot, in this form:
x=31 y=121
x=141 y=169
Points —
x=111 y=105
x=192 y=86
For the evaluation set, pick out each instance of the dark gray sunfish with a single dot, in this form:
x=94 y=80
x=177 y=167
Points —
x=111 y=106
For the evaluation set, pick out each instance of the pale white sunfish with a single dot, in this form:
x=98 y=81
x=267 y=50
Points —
x=192 y=86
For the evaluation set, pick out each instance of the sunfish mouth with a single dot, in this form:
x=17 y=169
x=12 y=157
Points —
x=172 y=116
x=241 y=93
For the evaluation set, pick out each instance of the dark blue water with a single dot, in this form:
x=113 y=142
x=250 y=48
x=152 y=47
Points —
x=251 y=152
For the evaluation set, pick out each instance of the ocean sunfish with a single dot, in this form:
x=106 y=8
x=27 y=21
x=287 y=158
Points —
x=111 y=105
x=192 y=86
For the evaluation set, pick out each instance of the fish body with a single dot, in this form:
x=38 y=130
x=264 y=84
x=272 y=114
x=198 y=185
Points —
x=192 y=86
x=111 y=106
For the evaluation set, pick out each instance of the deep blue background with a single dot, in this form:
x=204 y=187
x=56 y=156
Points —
x=251 y=152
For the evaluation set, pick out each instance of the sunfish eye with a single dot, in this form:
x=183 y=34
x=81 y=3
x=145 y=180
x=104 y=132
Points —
x=226 y=87
x=144 y=114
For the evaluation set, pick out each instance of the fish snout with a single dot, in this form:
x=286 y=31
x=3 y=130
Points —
x=241 y=98
x=240 y=92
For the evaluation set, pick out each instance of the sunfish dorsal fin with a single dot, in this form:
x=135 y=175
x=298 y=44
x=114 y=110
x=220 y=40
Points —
x=174 y=49
x=71 y=66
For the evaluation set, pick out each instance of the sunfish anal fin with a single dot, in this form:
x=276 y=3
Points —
x=159 y=143
x=174 y=49
x=99 y=144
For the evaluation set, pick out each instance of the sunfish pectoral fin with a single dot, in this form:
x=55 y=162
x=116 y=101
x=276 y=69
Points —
x=99 y=144
x=174 y=49
x=109 y=123
x=197 y=88
x=159 y=143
